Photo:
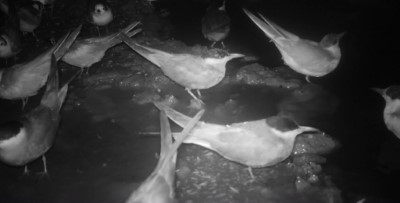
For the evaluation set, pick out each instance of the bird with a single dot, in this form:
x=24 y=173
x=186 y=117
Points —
x=159 y=186
x=215 y=24
x=257 y=143
x=10 y=35
x=303 y=56
x=100 y=13
x=188 y=70
x=30 y=17
x=47 y=4
x=21 y=81
x=84 y=53
x=25 y=140
x=391 y=113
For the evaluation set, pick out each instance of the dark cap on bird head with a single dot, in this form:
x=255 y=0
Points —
x=282 y=123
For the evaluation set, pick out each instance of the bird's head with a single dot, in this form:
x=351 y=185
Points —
x=100 y=8
x=331 y=39
x=390 y=93
x=286 y=127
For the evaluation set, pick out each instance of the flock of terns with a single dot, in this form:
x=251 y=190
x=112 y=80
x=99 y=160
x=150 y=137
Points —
x=258 y=143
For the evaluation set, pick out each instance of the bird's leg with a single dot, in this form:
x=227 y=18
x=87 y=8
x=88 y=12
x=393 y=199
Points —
x=44 y=172
x=250 y=172
x=34 y=35
x=198 y=93
x=44 y=164
x=213 y=44
x=223 y=45
x=194 y=97
x=308 y=78
x=24 y=102
x=98 y=30
x=26 y=170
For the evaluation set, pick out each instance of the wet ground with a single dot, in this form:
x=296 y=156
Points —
x=100 y=156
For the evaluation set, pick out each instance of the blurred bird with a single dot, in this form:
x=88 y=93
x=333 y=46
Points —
x=215 y=24
x=188 y=70
x=47 y=4
x=85 y=52
x=391 y=113
x=100 y=13
x=303 y=56
x=30 y=17
x=21 y=81
x=159 y=186
x=258 y=143
x=27 y=139
x=10 y=36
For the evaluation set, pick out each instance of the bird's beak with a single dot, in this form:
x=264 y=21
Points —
x=341 y=35
x=378 y=90
x=308 y=129
x=236 y=55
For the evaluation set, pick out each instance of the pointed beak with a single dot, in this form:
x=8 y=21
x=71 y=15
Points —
x=236 y=55
x=341 y=35
x=309 y=129
x=379 y=90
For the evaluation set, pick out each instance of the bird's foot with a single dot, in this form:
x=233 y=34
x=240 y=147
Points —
x=308 y=78
x=250 y=170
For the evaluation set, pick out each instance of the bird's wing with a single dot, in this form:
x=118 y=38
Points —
x=273 y=31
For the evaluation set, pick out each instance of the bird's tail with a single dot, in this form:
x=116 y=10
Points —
x=127 y=31
x=178 y=118
x=53 y=97
x=273 y=31
x=62 y=46
x=168 y=149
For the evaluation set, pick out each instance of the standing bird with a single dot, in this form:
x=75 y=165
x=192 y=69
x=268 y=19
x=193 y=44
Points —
x=100 y=13
x=303 y=56
x=159 y=186
x=258 y=143
x=215 y=24
x=10 y=36
x=85 y=52
x=32 y=136
x=391 y=113
x=30 y=17
x=21 y=81
x=188 y=70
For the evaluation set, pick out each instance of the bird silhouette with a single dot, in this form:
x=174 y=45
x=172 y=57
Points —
x=257 y=143
x=159 y=186
x=10 y=35
x=85 y=52
x=303 y=56
x=27 y=139
x=188 y=70
x=21 y=81
x=391 y=113
x=215 y=24
x=100 y=13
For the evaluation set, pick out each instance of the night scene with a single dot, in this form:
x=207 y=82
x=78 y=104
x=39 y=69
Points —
x=199 y=101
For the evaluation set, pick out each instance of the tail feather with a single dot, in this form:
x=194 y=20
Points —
x=114 y=37
x=179 y=118
x=65 y=43
x=50 y=96
x=273 y=31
